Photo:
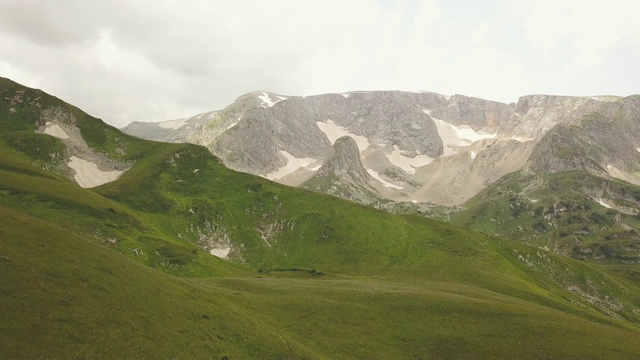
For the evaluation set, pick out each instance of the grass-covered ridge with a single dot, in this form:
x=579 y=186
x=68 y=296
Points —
x=124 y=271
x=574 y=213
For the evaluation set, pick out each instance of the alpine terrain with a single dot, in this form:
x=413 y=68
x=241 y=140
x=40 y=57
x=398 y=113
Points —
x=557 y=172
x=116 y=247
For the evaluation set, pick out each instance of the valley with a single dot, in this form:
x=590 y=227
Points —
x=181 y=255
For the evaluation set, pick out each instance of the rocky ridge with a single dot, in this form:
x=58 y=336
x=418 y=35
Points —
x=417 y=147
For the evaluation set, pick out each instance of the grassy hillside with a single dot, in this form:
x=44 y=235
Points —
x=124 y=270
x=573 y=213
x=66 y=297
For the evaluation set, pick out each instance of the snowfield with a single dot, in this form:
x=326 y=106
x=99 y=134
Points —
x=521 y=139
x=222 y=252
x=334 y=132
x=376 y=176
x=88 y=175
x=293 y=164
x=55 y=130
x=266 y=100
x=173 y=124
x=408 y=164
x=458 y=136
x=601 y=202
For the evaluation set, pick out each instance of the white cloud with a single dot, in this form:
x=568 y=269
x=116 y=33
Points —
x=150 y=61
x=589 y=28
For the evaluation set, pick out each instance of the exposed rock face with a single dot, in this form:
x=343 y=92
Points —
x=537 y=114
x=480 y=114
x=563 y=149
x=602 y=143
x=416 y=146
x=344 y=161
x=342 y=174
x=387 y=117
x=87 y=167
x=254 y=145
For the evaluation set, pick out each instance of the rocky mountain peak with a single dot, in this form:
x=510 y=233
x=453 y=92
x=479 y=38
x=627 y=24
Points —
x=342 y=174
x=344 y=160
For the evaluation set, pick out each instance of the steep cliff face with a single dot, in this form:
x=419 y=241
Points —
x=385 y=117
x=480 y=114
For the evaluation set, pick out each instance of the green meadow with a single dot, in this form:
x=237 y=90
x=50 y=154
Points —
x=124 y=270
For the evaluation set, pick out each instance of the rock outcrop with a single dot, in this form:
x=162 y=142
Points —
x=343 y=175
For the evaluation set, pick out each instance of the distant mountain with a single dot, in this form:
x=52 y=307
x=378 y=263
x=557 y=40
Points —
x=422 y=151
x=424 y=147
x=578 y=192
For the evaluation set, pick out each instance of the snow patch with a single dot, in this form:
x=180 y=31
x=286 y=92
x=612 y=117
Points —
x=88 y=175
x=376 y=176
x=638 y=149
x=458 y=136
x=334 y=132
x=222 y=252
x=293 y=164
x=234 y=123
x=521 y=139
x=473 y=155
x=316 y=168
x=414 y=201
x=345 y=95
x=267 y=101
x=605 y=98
x=406 y=163
x=55 y=130
x=601 y=202
x=282 y=98
x=173 y=124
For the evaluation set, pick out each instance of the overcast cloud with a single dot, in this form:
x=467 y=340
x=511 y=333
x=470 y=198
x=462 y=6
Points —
x=150 y=60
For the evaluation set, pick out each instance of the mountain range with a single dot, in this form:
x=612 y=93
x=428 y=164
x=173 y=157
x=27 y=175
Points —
x=116 y=247
x=446 y=157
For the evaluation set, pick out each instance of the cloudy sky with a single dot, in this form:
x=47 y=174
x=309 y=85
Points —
x=153 y=60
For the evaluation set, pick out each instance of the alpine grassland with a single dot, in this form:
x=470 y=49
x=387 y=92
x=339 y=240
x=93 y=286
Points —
x=125 y=269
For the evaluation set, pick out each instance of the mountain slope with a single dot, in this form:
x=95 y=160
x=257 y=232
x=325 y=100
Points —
x=181 y=256
x=119 y=308
x=416 y=143
x=577 y=193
